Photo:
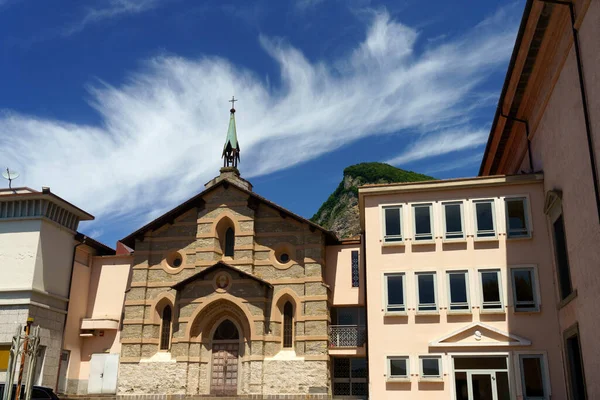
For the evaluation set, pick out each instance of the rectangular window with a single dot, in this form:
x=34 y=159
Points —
x=517 y=223
x=4 y=354
x=524 y=292
x=458 y=289
x=431 y=366
x=485 y=223
x=426 y=291
x=453 y=221
x=423 y=223
x=398 y=368
x=355 y=273
x=532 y=374
x=562 y=259
x=394 y=293
x=577 y=385
x=491 y=293
x=349 y=377
x=393 y=224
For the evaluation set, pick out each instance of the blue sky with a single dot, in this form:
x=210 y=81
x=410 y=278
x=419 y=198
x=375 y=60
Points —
x=120 y=106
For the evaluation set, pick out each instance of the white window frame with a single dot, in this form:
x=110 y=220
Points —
x=449 y=289
x=482 y=302
x=527 y=216
x=534 y=284
x=431 y=377
x=392 y=239
x=414 y=222
x=435 y=293
x=476 y=222
x=385 y=294
x=389 y=375
x=462 y=220
x=545 y=374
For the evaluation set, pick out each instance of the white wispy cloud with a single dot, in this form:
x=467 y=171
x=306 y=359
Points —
x=110 y=9
x=162 y=131
x=440 y=143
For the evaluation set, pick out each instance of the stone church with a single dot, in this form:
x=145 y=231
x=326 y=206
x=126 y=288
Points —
x=227 y=297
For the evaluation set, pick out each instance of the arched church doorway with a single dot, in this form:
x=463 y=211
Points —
x=225 y=351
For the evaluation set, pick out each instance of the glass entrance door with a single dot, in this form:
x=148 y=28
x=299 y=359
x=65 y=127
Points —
x=482 y=386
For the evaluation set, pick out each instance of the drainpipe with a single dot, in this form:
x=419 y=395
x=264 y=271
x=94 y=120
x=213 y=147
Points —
x=363 y=242
x=80 y=238
x=586 y=115
x=526 y=136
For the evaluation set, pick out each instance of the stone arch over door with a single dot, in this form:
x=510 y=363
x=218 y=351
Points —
x=224 y=357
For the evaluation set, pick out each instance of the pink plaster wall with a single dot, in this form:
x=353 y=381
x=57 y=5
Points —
x=411 y=335
x=559 y=148
x=338 y=275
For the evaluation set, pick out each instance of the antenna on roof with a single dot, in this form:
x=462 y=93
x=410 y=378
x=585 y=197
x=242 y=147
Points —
x=10 y=175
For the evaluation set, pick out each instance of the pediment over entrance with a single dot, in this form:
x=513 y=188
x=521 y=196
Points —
x=220 y=265
x=478 y=334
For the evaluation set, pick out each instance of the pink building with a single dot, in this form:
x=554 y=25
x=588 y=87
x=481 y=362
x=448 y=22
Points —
x=460 y=291
x=548 y=121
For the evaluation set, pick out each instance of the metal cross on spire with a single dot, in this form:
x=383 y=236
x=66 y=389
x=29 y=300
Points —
x=232 y=101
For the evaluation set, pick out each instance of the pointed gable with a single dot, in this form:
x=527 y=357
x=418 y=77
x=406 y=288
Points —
x=479 y=334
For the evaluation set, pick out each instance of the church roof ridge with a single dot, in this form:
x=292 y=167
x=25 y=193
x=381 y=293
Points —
x=196 y=200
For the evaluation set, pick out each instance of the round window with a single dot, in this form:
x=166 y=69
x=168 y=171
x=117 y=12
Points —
x=174 y=260
x=283 y=258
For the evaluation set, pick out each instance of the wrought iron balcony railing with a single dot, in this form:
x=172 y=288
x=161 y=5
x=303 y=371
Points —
x=347 y=335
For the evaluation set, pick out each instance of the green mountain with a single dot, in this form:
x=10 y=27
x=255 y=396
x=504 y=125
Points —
x=340 y=212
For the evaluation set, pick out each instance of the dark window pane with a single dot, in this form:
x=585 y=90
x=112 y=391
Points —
x=576 y=372
x=395 y=292
x=431 y=366
x=358 y=367
x=458 y=289
x=562 y=260
x=517 y=225
x=532 y=376
x=502 y=388
x=426 y=292
x=229 y=242
x=524 y=288
x=392 y=222
x=165 y=336
x=453 y=221
x=341 y=368
x=288 y=325
x=359 y=388
x=341 y=389
x=480 y=363
x=347 y=315
x=422 y=223
x=355 y=271
x=398 y=367
x=485 y=219
x=490 y=287
x=462 y=387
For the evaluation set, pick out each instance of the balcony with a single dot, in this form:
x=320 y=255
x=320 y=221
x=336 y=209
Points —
x=347 y=336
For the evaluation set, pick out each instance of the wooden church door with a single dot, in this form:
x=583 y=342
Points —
x=225 y=351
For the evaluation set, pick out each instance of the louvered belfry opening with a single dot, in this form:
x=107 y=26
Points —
x=165 y=334
x=229 y=242
x=288 y=316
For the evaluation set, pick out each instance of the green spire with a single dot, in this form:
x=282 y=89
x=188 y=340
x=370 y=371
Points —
x=231 y=149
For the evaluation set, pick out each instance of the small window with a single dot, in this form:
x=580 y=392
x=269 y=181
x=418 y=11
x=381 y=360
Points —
x=165 y=332
x=426 y=292
x=453 y=221
x=288 y=325
x=355 y=269
x=283 y=258
x=394 y=293
x=229 y=242
x=517 y=223
x=524 y=292
x=532 y=373
x=398 y=368
x=423 y=224
x=431 y=366
x=393 y=224
x=562 y=259
x=458 y=289
x=485 y=224
x=174 y=259
x=491 y=294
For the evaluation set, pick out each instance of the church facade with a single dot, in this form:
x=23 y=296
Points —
x=227 y=297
